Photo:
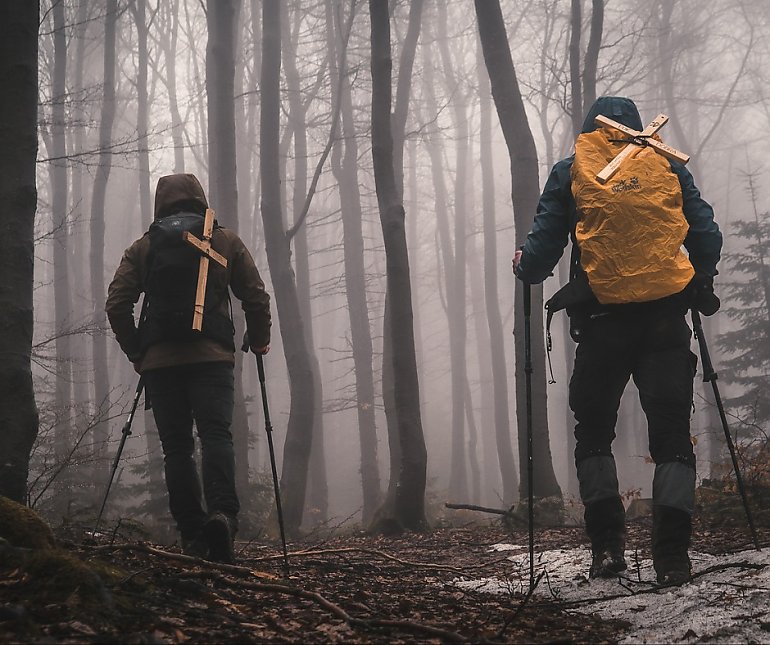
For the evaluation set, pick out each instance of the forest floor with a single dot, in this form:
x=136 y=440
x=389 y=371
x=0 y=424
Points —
x=445 y=585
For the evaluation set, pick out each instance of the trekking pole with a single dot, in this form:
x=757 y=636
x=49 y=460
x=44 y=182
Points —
x=528 y=385
x=269 y=431
x=125 y=433
x=710 y=375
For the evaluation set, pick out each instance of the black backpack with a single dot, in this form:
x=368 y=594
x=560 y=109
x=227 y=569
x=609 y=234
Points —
x=170 y=284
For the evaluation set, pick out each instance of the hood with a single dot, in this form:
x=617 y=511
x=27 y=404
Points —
x=176 y=193
x=617 y=108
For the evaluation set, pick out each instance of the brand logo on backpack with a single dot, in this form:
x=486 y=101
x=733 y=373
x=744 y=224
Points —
x=624 y=186
x=170 y=284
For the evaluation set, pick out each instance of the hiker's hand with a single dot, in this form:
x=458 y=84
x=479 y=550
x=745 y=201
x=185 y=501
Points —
x=261 y=350
x=704 y=298
x=516 y=261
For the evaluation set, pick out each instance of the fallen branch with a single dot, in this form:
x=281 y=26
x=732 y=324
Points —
x=375 y=552
x=473 y=507
x=188 y=559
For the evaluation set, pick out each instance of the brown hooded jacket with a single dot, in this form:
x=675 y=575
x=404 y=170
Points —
x=178 y=193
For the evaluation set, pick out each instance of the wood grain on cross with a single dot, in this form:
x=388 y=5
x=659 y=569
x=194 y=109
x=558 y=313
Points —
x=636 y=143
x=204 y=246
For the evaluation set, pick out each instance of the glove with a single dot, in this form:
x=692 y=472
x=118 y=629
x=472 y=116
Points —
x=704 y=299
x=246 y=346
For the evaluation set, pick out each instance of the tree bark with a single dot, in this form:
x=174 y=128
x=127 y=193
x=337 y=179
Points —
x=18 y=194
x=299 y=434
x=409 y=505
x=102 y=392
x=524 y=197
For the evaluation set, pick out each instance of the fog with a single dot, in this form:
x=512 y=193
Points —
x=705 y=65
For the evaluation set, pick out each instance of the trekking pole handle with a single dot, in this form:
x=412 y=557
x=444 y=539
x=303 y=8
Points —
x=134 y=405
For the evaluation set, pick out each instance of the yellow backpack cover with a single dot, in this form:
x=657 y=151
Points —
x=630 y=230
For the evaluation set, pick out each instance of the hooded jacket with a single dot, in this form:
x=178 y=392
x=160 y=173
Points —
x=557 y=215
x=174 y=194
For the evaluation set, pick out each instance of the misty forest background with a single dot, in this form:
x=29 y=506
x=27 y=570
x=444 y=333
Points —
x=282 y=111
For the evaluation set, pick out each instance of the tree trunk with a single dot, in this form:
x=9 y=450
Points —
x=140 y=18
x=169 y=45
x=317 y=502
x=345 y=168
x=398 y=127
x=409 y=505
x=592 y=55
x=80 y=286
x=492 y=301
x=458 y=330
x=576 y=92
x=18 y=194
x=102 y=392
x=61 y=282
x=299 y=434
x=524 y=196
x=222 y=18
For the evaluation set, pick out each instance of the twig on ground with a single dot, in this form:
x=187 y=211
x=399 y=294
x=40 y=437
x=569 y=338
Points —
x=520 y=608
x=339 y=612
x=375 y=552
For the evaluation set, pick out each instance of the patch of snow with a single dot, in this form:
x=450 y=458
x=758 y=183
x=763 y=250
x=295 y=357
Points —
x=727 y=602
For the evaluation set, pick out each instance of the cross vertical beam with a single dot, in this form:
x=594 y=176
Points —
x=204 y=246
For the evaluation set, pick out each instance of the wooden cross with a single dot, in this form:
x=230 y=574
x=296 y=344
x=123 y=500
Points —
x=204 y=246
x=638 y=141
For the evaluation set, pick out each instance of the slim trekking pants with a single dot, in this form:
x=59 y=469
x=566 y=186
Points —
x=204 y=393
x=653 y=348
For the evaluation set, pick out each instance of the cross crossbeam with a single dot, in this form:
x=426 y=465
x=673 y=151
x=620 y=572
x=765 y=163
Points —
x=637 y=141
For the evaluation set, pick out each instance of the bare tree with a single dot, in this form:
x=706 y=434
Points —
x=98 y=207
x=524 y=196
x=299 y=434
x=409 y=504
x=318 y=492
x=492 y=299
x=344 y=161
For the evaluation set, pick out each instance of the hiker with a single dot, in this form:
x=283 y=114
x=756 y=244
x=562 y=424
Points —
x=629 y=290
x=188 y=374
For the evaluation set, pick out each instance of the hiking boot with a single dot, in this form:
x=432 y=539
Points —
x=674 y=577
x=195 y=546
x=671 y=531
x=219 y=531
x=605 y=526
x=607 y=563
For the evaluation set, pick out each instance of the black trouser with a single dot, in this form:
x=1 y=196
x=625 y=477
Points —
x=652 y=346
x=202 y=392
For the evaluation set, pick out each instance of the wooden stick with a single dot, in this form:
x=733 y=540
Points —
x=632 y=149
x=204 y=246
x=473 y=507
